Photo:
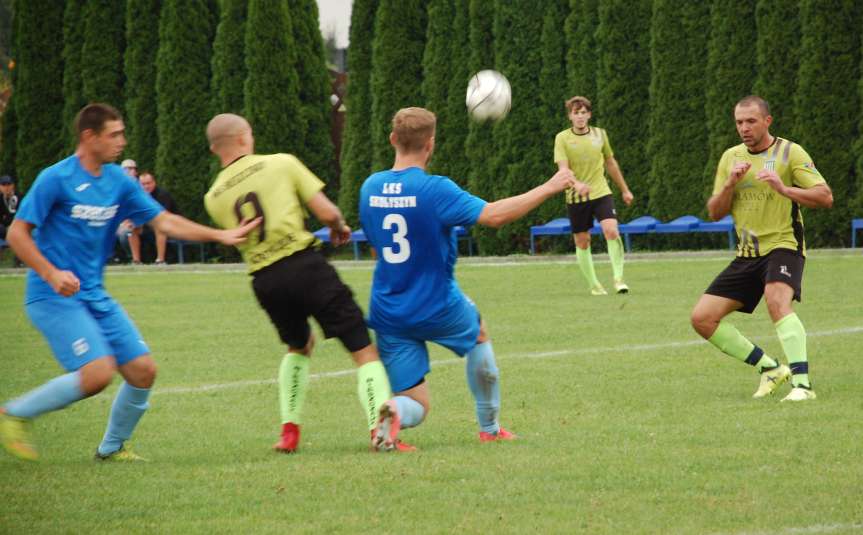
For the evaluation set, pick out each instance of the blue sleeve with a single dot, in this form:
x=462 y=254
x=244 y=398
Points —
x=138 y=205
x=455 y=206
x=38 y=202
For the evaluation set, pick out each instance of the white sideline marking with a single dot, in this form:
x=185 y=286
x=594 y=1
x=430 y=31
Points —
x=817 y=528
x=537 y=355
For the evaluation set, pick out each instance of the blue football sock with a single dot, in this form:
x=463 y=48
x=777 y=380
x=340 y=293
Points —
x=411 y=412
x=53 y=395
x=482 y=374
x=128 y=407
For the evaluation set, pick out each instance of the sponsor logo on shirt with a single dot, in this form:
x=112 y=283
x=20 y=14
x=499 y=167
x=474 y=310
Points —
x=96 y=216
x=376 y=201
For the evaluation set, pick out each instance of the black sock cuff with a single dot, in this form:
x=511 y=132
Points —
x=754 y=356
x=798 y=368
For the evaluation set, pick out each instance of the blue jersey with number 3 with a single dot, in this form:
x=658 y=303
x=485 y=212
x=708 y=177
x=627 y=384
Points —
x=76 y=215
x=408 y=216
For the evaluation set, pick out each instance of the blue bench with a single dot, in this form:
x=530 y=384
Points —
x=181 y=247
x=359 y=236
x=856 y=224
x=641 y=225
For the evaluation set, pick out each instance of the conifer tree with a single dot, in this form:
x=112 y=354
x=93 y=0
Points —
x=102 y=77
x=437 y=65
x=623 y=80
x=397 y=52
x=677 y=121
x=480 y=143
x=272 y=89
x=229 y=58
x=521 y=162
x=315 y=89
x=73 y=98
x=38 y=87
x=729 y=77
x=777 y=60
x=356 y=157
x=457 y=118
x=581 y=60
x=142 y=37
x=553 y=94
x=827 y=108
x=183 y=103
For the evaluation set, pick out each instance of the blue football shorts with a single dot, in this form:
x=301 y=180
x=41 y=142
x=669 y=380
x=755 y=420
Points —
x=405 y=355
x=82 y=331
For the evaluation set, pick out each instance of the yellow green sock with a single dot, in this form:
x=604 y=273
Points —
x=792 y=336
x=728 y=339
x=373 y=389
x=585 y=263
x=615 y=254
x=293 y=382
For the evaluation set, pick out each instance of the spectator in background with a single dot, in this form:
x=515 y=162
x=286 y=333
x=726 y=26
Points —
x=148 y=182
x=130 y=167
x=126 y=232
x=8 y=204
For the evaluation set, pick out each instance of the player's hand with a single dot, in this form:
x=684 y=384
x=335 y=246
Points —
x=341 y=236
x=627 y=197
x=127 y=225
x=737 y=172
x=64 y=283
x=562 y=180
x=772 y=179
x=582 y=189
x=238 y=235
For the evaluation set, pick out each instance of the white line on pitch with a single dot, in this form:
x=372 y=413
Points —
x=803 y=530
x=536 y=355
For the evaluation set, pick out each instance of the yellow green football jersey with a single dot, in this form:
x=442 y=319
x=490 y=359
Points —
x=764 y=219
x=586 y=154
x=274 y=187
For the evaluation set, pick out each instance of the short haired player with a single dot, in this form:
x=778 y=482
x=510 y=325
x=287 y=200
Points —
x=291 y=278
x=76 y=206
x=586 y=151
x=763 y=183
x=409 y=217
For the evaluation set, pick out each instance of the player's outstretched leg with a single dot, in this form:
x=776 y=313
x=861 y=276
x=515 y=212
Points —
x=615 y=254
x=129 y=406
x=482 y=378
x=293 y=383
x=585 y=263
x=728 y=339
x=17 y=415
x=792 y=336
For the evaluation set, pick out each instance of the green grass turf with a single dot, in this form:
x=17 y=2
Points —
x=628 y=423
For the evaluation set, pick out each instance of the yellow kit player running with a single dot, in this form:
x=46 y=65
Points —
x=290 y=277
x=763 y=182
x=586 y=151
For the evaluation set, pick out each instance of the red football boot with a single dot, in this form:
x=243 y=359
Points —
x=502 y=434
x=290 y=438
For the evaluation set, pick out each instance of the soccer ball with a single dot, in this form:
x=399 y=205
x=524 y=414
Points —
x=489 y=96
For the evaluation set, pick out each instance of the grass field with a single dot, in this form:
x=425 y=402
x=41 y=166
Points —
x=628 y=422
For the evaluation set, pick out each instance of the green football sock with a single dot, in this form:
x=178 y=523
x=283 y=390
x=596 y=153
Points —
x=615 y=253
x=729 y=340
x=373 y=388
x=585 y=263
x=792 y=336
x=293 y=382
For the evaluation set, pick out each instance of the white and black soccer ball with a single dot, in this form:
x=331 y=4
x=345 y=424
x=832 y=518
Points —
x=489 y=96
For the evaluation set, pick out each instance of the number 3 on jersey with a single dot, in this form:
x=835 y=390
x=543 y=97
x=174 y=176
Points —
x=401 y=231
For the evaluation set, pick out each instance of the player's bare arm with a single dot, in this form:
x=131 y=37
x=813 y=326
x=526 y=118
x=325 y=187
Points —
x=498 y=213
x=719 y=205
x=20 y=238
x=617 y=175
x=818 y=196
x=184 y=229
x=580 y=187
x=330 y=215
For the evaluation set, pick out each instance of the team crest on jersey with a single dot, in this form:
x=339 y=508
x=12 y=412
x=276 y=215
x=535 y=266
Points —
x=80 y=346
x=770 y=165
x=810 y=166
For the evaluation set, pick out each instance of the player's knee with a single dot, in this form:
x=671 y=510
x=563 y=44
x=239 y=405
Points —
x=611 y=234
x=703 y=323
x=97 y=375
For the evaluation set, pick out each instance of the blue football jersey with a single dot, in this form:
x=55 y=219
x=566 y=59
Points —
x=408 y=216
x=76 y=216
